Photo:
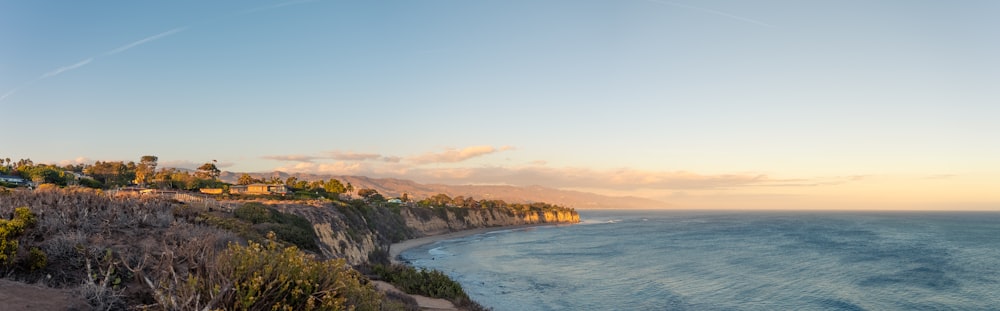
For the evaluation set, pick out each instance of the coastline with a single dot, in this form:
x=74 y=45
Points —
x=398 y=248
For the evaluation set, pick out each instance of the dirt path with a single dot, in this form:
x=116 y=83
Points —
x=16 y=296
x=425 y=303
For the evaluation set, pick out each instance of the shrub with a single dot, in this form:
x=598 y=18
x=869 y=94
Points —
x=10 y=231
x=266 y=277
x=91 y=183
x=253 y=212
x=431 y=283
x=36 y=259
x=303 y=237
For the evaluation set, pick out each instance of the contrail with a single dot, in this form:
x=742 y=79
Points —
x=84 y=62
x=715 y=12
x=145 y=40
x=66 y=68
x=131 y=45
x=49 y=74
x=273 y=6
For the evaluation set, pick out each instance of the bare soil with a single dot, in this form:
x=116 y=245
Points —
x=15 y=296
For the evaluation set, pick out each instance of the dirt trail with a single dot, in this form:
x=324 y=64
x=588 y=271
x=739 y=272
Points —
x=16 y=296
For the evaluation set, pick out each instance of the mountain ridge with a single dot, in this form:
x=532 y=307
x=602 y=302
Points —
x=394 y=187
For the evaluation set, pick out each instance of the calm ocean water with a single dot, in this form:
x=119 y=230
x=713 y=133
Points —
x=670 y=260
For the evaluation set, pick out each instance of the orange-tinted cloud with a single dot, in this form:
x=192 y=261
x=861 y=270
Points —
x=456 y=155
x=353 y=156
x=292 y=158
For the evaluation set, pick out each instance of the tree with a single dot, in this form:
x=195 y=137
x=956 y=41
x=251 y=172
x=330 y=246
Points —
x=43 y=173
x=208 y=171
x=146 y=169
x=246 y=179
x=290 y=181
x=162 y=178
x=440 y=199
x=458 y=201
x=370 y=194
x=112 y=174
x=334 y=186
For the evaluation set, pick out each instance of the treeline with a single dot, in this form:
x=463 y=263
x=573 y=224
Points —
x=111 y=174
x=314 y=188
x=443 y=200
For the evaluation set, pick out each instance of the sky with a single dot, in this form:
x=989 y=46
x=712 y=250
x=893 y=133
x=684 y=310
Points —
x=699 y=104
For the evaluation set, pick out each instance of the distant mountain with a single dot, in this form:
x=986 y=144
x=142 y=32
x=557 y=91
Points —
x=392 y=187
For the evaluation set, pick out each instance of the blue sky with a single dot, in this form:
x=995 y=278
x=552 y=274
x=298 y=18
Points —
x=852 y=104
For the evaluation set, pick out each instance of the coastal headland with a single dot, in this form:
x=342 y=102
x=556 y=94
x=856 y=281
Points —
x=145 y=240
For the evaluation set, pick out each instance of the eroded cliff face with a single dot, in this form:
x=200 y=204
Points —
x=428 y=222
x=338 y=244
x=356 y=233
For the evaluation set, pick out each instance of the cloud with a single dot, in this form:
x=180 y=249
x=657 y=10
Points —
x=353 y=156
x=292 y=158
x=584 y=178
x=455 y=155
x=336 y=155
x=78 y=160
x=336 y=168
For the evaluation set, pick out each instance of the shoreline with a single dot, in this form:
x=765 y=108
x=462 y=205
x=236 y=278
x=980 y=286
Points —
x=398 y=248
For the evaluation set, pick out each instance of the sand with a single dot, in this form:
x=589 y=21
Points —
x=399 y=248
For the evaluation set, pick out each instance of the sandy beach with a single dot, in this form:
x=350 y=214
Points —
x=398 y=248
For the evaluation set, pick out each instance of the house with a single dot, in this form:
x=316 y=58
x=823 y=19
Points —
x=210 y=190
x=395 y=200
x=14 y=180
x=258 y=189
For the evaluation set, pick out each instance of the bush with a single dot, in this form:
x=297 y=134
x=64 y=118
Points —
x=91 y=183
x=431 y=283
x=253 y=212
x=10 y=231
x=36 y=259
x=266 y=277
x=303 y=237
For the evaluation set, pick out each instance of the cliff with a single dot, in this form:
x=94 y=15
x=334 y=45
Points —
x=427 y=221
x=361 y=233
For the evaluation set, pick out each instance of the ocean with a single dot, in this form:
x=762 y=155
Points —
x=686 y=260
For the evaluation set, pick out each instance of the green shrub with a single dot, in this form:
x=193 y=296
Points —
x=91 y=183
x=36 y=259
x=431 y=283
x=11 y=230
x=303 y=237
x=253 y=212
x=267 y=277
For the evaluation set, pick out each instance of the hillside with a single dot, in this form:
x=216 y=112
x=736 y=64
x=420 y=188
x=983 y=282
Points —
x=190 y=252
x=395 y=187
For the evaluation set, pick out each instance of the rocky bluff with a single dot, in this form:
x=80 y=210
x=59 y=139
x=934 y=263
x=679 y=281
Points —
x=361 y=232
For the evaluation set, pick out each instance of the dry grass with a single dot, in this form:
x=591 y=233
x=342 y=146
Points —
x=146 y=253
